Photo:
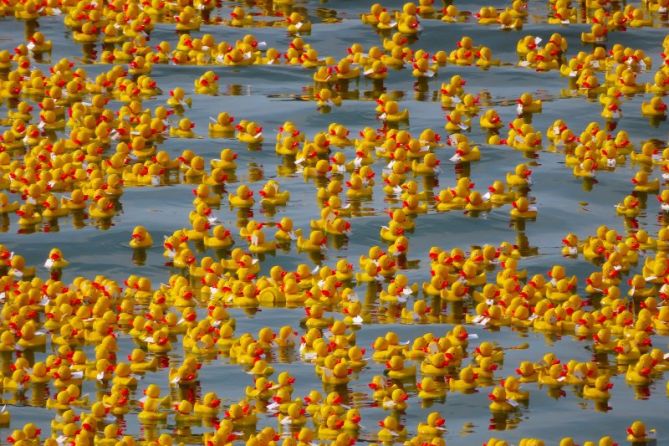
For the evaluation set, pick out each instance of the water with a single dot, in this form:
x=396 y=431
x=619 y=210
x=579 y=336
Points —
x=270 y=95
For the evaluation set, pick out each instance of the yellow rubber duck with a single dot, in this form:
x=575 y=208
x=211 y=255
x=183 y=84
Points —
x=207 y=84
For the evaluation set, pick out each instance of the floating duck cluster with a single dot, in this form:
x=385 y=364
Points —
x=73 y=143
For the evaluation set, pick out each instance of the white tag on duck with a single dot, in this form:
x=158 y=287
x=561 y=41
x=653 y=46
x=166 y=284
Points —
x=357 y=320
x=273 y=406
x=286 y=420
x=48 y=264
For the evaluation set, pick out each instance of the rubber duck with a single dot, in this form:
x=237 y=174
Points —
x=139 y=363
x=140 y=238
x=629 y=207
x=207 y=84
x=513 y=391
x=178 y=98
x=466 y=381
x=464 y=54
x=391 y=430
x=271 y=196
x=396 y=369
x=527 y=372
x=521 y=209
x=18 y=268
x=151 y=403
x=314 y=243
x=655 y=108
x=184 y=129
x=392 y=113
x=599 y=391
x=487 y=15
x=55 y=260
x=249 y=132
x=298 y=24
x=457 y=121
x=242 y=198
x=372 y=17
x=30 y=337
x=28 y=215
x=526 y=104
x=637 y=433
x=433 y=425
x=598 y=34
x=499 y=402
